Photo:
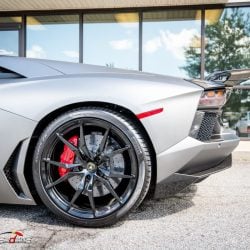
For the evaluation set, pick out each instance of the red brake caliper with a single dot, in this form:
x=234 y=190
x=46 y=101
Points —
x=68 y=156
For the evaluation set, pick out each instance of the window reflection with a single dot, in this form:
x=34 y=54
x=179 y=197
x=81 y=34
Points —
x=171 y=42
x=111 y=40
x=53 y=37
x=9 y=42
x=237 y=112
x=228 y=47
x=227 y=39
x=9 y=35
x=10 y=19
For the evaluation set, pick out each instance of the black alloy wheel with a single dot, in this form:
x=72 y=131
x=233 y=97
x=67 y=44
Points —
x=109 y=173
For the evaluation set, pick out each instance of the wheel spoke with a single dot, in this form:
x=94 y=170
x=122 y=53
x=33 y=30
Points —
x=118 y=151
x=63 y=165
x=71 y=146
x=78 y=192
x=60 y=180
x=123 y=176
x=115 y=175
x=107 y=184
x=82 y=143
x=103 y=143
x=89 y=190
x=76 y=195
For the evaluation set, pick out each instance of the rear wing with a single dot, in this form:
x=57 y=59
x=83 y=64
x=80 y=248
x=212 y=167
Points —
x=236 y=79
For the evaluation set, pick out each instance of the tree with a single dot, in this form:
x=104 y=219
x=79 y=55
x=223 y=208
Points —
x=227 y=45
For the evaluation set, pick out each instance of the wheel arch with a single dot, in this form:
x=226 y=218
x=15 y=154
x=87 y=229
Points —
x=43 y=123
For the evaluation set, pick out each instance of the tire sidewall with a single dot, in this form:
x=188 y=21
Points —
x=126 y=128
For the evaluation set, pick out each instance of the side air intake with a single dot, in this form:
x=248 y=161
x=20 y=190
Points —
x=10 y=171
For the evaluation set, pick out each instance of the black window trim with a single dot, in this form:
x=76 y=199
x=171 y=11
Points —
x=9 y=74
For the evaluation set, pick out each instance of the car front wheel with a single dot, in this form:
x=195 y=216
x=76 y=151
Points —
x=92 y=166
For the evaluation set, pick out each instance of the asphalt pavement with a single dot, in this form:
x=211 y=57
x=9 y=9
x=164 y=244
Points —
x=214 y=214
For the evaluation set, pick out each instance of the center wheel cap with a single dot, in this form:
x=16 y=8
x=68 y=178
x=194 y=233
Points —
x=91 y=167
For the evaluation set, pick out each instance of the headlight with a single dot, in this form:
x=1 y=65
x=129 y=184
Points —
x=213 y=98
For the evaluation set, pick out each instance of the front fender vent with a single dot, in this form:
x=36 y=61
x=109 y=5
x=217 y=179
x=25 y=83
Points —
x=10 y=170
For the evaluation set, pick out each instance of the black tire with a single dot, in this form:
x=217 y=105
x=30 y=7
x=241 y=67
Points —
x=130 y=181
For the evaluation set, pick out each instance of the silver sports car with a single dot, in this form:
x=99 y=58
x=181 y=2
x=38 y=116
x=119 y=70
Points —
x=92 y=142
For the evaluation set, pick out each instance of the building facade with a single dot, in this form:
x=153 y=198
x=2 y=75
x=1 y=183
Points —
x=179 y=38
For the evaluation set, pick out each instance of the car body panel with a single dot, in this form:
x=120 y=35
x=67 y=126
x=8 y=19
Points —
x=191 y=153
x=27 y=68
x=14 y=130
x=138 y=93
x=46 y=86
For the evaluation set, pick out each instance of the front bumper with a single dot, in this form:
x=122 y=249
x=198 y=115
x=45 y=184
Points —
x=190 y=160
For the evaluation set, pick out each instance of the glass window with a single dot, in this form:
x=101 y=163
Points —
x=10 y=19
x=227 y=39
x=53 y=37
x=237 y=112
x=171 y=42
x=111 y=40
x=228 y=47
x=9 y=42
x=9 y=35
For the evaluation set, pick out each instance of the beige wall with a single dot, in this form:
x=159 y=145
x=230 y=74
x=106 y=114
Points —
x=17 y=5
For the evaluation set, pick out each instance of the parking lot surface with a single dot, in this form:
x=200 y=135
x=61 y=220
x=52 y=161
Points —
x=214 y=214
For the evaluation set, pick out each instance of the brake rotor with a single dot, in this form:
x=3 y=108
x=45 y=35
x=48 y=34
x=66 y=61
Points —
x=116 y=162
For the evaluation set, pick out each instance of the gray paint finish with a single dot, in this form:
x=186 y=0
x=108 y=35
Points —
x=50 y=85
x=27 y=68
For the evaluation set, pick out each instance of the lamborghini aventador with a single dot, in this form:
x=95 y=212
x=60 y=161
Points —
x=91 y=142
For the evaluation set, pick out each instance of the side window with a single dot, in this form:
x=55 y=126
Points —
x=8 y=74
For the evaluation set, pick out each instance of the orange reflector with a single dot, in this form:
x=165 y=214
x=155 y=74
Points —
x=220 y=93
x=210 y=93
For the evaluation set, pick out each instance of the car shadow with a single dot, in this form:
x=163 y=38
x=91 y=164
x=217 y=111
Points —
x=149 y=209
x=155 y=208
